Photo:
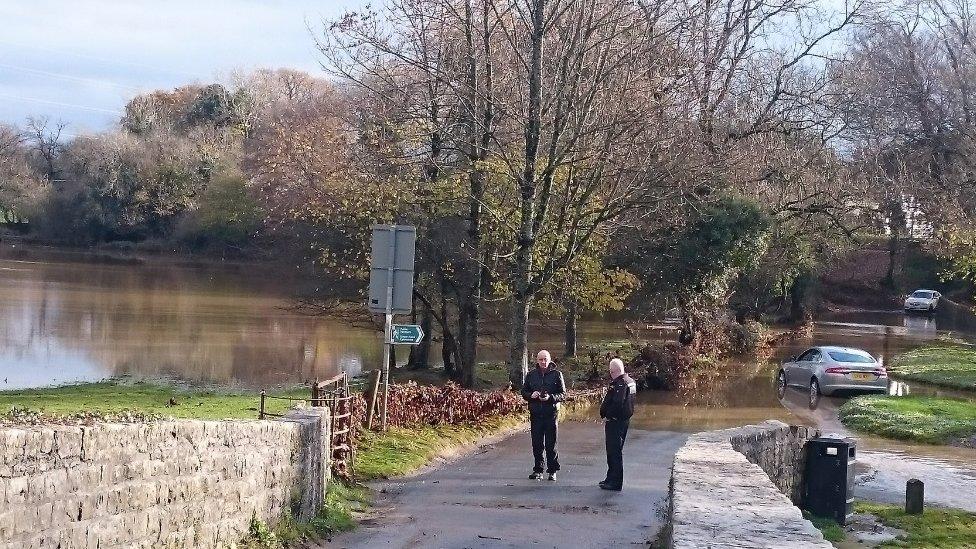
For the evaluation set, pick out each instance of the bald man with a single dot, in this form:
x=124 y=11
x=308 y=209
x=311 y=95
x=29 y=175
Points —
x=544 y=388
x=616 y=409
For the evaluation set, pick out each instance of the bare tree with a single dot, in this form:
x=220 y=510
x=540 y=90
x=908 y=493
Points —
x=46 y=143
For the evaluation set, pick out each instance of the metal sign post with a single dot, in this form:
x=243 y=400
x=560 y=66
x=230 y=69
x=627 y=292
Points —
x=391 y=286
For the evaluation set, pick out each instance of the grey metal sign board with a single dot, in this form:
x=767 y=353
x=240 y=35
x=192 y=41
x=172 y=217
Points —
x=391 y=270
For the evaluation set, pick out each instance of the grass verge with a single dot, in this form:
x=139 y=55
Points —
x=114 y=397
x=934 y=420
x=401 y=451
x=335 y=516
x=831 y=531
x=935 y=528
x=939 y=365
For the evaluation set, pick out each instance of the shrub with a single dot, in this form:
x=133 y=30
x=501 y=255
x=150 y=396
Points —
x=413 y=405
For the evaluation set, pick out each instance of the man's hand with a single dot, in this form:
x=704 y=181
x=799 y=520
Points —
x=544 y=396
x=535 y=394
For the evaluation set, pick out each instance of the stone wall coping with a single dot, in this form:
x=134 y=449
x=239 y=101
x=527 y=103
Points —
x=721 y=500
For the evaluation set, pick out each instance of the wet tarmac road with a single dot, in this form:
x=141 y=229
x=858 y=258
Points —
x=486 y=499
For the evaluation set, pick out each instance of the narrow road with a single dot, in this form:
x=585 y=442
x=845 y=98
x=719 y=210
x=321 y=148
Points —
x=486 y=499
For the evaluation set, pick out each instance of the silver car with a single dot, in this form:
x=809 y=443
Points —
x=922 y=300
x=825 y=370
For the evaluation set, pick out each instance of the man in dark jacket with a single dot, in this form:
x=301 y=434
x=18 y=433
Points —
x=544 y=389
x=617 y=408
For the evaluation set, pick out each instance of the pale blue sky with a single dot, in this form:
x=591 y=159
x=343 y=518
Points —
x=80 y=61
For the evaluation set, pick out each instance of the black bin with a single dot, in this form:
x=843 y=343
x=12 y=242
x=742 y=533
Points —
x=829 y=480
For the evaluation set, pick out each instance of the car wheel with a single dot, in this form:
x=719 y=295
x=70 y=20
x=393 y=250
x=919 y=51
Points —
x=781 y=384
x=815 y=393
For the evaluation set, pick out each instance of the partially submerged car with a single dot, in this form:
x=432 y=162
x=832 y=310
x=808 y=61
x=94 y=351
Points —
x=825 y=370
x=922 y=301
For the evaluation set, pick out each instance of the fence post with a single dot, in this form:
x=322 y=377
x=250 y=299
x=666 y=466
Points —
x=261 y=413
x=371 y=398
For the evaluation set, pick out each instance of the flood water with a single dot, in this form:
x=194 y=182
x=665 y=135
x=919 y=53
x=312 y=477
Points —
x=73 y=316
x=68 y=317
x=742 y=394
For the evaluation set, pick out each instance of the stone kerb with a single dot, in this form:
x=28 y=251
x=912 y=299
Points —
x=192 y=484
x=720 y=498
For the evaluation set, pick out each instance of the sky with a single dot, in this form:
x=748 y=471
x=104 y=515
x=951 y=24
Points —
x=80 y=61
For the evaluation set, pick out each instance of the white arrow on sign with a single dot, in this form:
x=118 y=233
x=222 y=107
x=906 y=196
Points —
x=409 y=334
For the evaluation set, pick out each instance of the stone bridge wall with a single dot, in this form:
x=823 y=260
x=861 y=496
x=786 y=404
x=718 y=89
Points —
x=729 y=489
x=187 y=484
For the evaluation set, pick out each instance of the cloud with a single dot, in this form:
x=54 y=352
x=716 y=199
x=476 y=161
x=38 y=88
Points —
x=72 y=61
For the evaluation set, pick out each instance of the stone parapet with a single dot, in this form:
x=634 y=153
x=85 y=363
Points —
x=728 y=489
x=188 y=484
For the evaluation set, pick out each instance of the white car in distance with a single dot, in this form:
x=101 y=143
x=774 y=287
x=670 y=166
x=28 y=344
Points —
x=922 y=301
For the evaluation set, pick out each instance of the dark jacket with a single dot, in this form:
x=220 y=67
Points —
x=619 y=401
x=550 y=383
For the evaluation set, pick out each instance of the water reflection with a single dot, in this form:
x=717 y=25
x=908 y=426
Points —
x=63 y=321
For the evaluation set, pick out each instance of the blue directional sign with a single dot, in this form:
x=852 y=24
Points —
x=409 y=334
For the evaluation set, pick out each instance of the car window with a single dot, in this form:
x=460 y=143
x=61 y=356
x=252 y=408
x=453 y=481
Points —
x=815 y=356
x=924 y=295
x=845 y=356
x=805 y=357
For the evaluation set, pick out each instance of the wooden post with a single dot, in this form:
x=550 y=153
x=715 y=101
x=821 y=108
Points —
x=914 y=497
x=372 y=396
x=261 y=412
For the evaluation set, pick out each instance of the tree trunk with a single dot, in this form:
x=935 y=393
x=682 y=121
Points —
x=571 y=312
x=519 y=342
x=448 y=344
x=686 y=335
x=469 y=342
x=896 y=221
x=889 y=278
x=414 y=349
x=420 y=354
x=522 y=281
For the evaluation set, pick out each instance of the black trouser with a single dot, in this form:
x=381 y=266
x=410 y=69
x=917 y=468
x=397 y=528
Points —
x=544 y=436
x=616 y=431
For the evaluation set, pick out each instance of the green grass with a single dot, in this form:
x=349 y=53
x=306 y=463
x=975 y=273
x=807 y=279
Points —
x=335 y=516
x=933 y=420
x=935 y=528
x=113 y=397
x=948 y=366
x=831 y=531
x=401 y=451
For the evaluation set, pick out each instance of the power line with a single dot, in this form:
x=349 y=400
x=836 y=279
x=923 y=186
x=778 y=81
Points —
x=155 y=68
x=59 y=103
x=70 y=77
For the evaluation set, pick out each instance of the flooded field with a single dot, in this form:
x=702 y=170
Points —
x=72 y=316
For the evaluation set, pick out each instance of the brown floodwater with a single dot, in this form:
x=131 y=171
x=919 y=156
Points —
x=68 y=316
x=742 y=394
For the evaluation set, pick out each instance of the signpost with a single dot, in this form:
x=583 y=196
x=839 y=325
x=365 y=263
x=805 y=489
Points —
x=409 y=334
x=391 y=290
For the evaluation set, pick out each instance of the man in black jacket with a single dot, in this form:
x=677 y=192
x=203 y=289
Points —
x=617 y=408
x=544 y=388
